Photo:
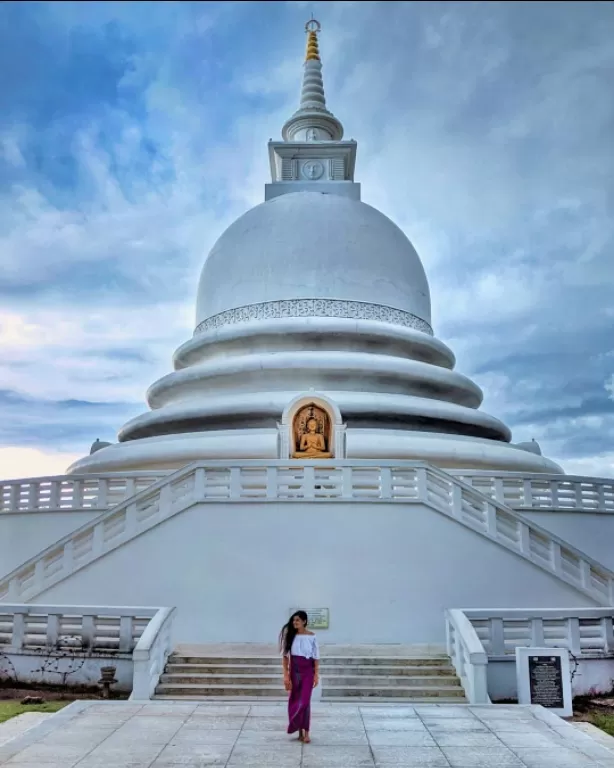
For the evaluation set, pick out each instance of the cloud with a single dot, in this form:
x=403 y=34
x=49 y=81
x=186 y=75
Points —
x=55 y=425
x=19 y=462
x=135 y=134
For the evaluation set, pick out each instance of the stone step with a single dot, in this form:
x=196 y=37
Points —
x=273 y=691
x=392 y=692
x=227 y=673
x=386 y=661
x=206 y=690
x=337 y=669
x=333 y=681
x=373 y=702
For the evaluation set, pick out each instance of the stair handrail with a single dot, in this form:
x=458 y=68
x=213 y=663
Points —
x=66 y=541
x=591 y=572
x=151 y=653
x=468 y=656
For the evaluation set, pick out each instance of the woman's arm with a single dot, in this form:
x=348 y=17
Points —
x=316 y=662
x=286 y=666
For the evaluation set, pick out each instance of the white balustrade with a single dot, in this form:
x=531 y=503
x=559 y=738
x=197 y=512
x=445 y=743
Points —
x=143 y=635
x=27 y=627
x=151 y=653
x=468 y=656
x=543 y=492
x=72 y=492
x=586 y=632
x=99 y=492
x=341 y=481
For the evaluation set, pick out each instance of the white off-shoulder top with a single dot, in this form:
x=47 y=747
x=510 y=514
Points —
x=306 y=646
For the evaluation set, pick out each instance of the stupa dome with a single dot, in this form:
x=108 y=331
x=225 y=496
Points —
x=313 y=246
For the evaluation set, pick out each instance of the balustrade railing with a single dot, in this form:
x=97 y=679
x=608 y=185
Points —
x=88 y=628
x=312 y=481
x=586 y=632
x=543 y=492
x=98 y=492
x=72 y=492
x=151 y=653
x=107 y=632
x=468 y=656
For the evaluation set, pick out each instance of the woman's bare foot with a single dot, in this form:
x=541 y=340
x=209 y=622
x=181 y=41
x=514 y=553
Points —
x=301 y=735
x=306 y=739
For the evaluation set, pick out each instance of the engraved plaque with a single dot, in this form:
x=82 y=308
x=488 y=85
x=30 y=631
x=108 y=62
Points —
x=546 y=681
x=543 y=678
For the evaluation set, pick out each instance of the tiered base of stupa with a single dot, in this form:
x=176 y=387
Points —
x=443 y=450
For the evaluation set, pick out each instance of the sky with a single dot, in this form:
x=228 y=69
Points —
x=133 y=133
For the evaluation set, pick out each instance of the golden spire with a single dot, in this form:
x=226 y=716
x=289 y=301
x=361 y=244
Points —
x=312 y=121
x=312 y=28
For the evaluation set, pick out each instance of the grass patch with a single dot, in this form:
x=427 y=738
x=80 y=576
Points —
x=603 y=720
x=10 y=709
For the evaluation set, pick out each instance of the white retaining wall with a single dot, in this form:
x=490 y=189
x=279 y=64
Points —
x=591 y=676
x=386 y=571
x=42 y=667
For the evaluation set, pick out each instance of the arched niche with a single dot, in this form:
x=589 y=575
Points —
x=295 y=422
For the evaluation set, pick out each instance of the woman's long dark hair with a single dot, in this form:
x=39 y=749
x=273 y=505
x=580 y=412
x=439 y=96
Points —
x=288 y=632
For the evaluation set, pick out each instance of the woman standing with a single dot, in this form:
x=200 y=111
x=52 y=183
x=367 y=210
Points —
x=301 y=660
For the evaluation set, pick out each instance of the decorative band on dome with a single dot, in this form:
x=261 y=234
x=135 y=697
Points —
x=352 y=310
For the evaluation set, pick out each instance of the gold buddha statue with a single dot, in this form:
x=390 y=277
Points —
x=312 y=443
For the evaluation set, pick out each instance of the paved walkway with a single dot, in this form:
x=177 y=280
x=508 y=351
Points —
x=14 y=727
x=166 y=734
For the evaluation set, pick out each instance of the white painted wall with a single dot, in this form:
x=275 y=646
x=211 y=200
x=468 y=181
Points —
x=385 y=571
x=32 y=667
x=591 y=676
x=592 y=533
x=25 y=534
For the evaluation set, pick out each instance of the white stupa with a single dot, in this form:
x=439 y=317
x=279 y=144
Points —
x=314 y=297
x=315 y=448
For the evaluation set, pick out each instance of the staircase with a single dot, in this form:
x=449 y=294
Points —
x=348 y=677
x=275 y=481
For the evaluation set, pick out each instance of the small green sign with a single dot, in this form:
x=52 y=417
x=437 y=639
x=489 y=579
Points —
x=317 y=618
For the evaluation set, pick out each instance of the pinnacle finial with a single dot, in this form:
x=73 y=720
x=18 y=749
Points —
x=312 y=28
x=312 y=121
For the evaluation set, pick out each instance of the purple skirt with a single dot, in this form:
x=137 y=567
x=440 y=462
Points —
x=302 y=673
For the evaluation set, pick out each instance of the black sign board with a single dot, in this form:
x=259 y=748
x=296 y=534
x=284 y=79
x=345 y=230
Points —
x=546 y=681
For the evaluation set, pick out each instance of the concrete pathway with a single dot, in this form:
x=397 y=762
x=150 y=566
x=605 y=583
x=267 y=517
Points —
x=166 y=734
x=14 y=727
x=596 y=734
